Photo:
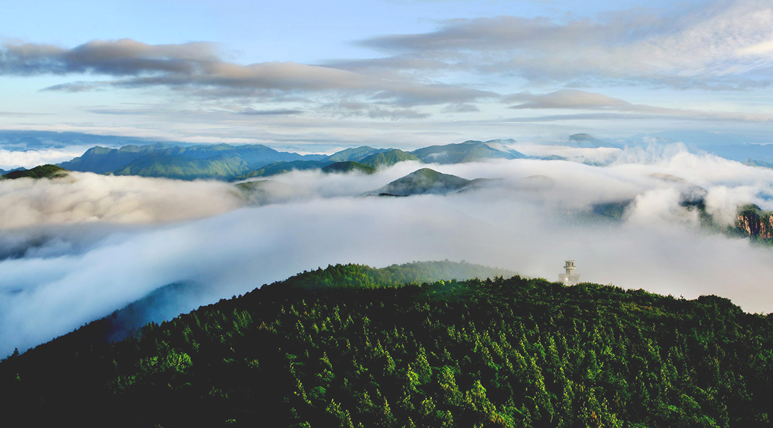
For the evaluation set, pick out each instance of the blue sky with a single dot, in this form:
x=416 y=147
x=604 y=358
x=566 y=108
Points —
x=398 y=73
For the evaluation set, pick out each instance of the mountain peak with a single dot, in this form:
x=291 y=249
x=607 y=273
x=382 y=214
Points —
x=424 y=181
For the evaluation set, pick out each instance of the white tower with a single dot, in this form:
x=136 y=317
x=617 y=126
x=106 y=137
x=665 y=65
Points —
x=569 y=278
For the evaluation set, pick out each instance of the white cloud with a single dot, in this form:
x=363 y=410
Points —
x=31 y=158
x=72 y=263
x=85 y=197
x=709 y=46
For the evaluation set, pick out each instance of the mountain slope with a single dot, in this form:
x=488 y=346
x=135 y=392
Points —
x=348 y=166
x=283 y=167
x=424 y=181
x=184 y=168
x=354 y=154
x=498 y=353
x=101 y=160
x=468 y=151
x=388 y=158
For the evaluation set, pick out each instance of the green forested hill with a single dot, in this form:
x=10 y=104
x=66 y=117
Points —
x=424 y=181
x=497 y=353
x=42 y=171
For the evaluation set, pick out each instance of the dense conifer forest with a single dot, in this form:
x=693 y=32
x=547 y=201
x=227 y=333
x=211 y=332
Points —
x=352 y=346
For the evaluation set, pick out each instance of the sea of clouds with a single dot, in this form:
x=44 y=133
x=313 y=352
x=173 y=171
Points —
x=76 y=248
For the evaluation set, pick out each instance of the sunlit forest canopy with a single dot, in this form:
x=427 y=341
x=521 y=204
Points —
x=334 y=347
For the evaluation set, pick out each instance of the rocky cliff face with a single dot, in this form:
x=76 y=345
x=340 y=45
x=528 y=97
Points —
x=755 y=223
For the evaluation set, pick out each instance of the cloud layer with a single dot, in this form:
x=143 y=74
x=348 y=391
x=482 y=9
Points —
x=71 y=266
x=85 y=197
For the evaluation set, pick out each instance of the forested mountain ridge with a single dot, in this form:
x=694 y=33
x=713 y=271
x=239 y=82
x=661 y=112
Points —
x=497 y=353
x=236 y=162
x=162 y=160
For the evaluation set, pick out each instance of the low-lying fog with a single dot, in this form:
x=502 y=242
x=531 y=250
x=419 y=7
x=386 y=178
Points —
x=77 y=248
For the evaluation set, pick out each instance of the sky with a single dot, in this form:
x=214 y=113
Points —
x=398 y=73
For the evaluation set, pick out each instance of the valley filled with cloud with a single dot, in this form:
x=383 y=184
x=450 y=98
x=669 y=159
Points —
x=77 y=248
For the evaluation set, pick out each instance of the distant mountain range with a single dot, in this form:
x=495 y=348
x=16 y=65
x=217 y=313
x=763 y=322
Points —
x=39 y=140
x=220 y=161
x=227 y=162
x=188 y=161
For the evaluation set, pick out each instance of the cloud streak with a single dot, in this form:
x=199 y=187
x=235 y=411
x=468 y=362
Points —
x=570 y=99
x=197 y=69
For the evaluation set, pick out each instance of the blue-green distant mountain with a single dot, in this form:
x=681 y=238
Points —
x=354 y=154
x=468 y=151
x=39 y=140
x=388 y=158
x=348 y=166
x=220 y=161
x=754 y=162
x=589 y=142
x=424 y=181
x=229 y=162
x=184 y=168
x=378 y=158
x=102 y=160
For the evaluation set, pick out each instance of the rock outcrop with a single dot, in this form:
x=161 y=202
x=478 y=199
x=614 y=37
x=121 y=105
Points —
x=755 y=223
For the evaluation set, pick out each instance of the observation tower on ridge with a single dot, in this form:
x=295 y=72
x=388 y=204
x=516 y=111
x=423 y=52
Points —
x=569 y=278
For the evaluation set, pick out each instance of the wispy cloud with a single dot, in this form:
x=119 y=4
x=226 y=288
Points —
x=569 y=99
x=197 y=69
x=718 y=45
x=276 y=112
